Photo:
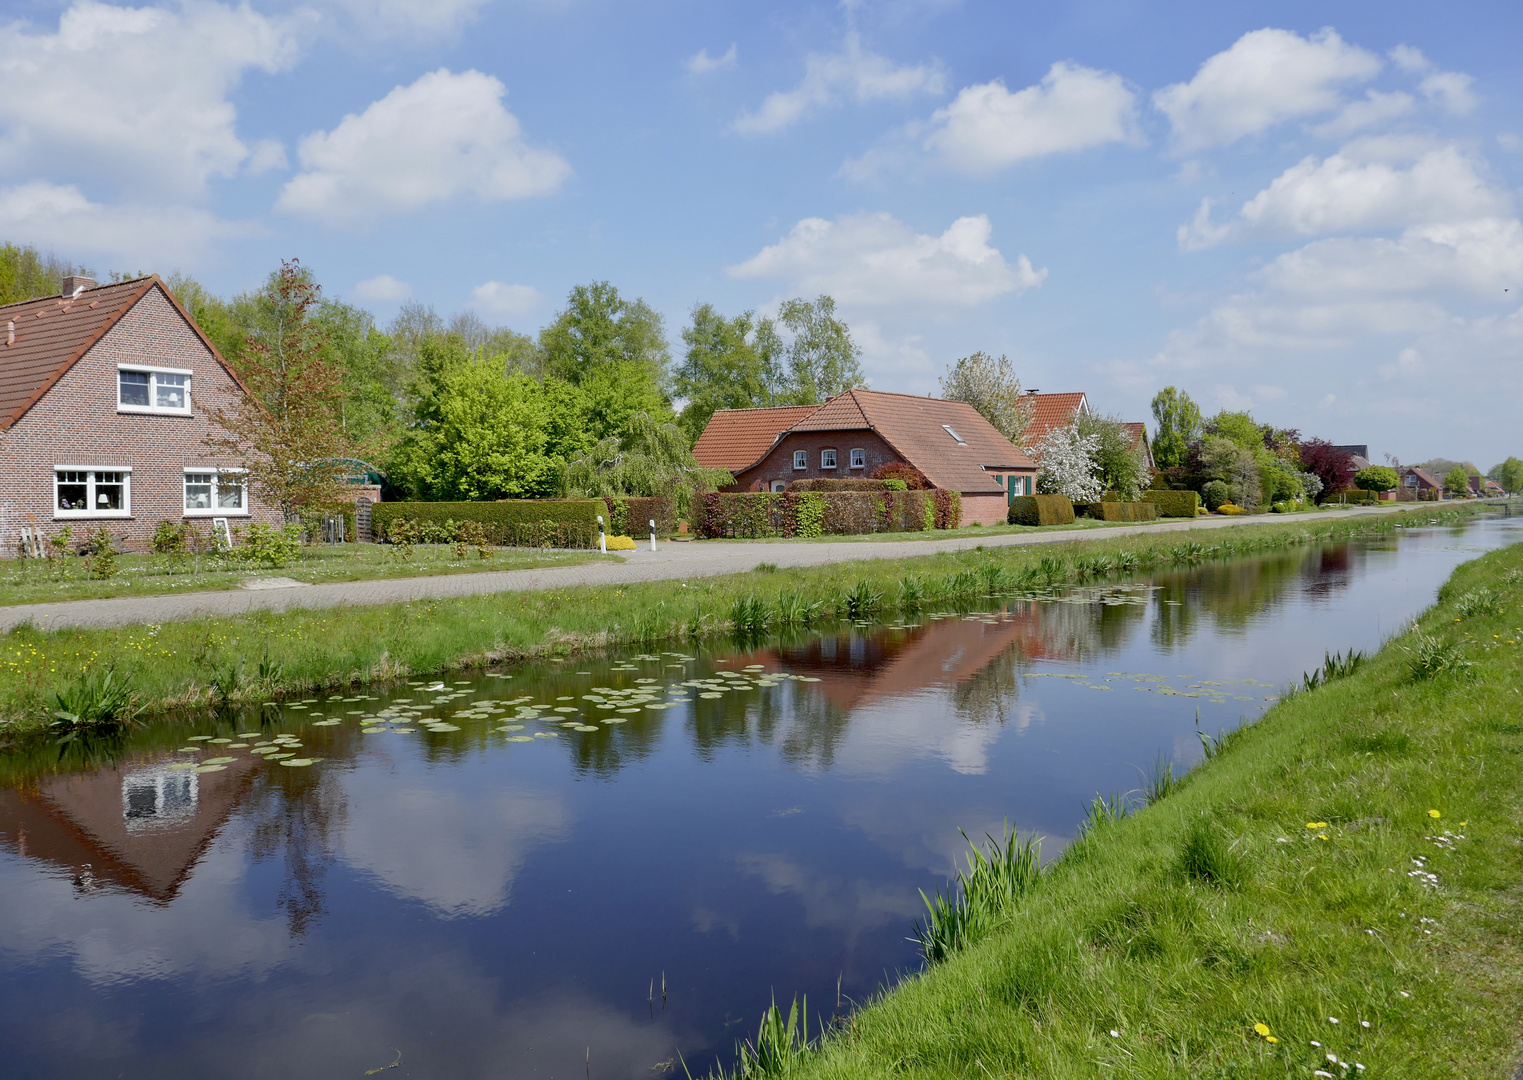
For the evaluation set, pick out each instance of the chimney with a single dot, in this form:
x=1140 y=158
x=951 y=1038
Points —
x=75 y=284
x=10 y=332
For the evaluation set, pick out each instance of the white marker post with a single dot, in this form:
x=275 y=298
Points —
x=653 y=534
x=602 y=536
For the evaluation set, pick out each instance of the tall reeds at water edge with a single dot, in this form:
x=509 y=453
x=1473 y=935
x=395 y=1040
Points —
x=982 y=897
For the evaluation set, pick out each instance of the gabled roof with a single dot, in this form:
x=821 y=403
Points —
x=53 y=332
x=735 y=438
x=1424 y=475
x=1050 y=411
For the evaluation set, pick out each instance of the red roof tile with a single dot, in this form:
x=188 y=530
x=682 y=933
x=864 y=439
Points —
x=735 y=438
x=1050 y=411
x=917 y=427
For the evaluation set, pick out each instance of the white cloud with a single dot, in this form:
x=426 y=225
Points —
x=1073 y=108
x=134 y=96
x=444 y=136
x=701 y=63
x=1374 y=108
x=142 y=236
x=268 y=155
x=1266 y=77
x=1450 y=89
x=876 y=259
x=1359 y=188
x=381 y=289
x=854 y=72
x=380 y=18
x=505 y=301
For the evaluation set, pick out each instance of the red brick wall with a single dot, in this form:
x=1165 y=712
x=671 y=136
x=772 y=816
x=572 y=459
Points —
x=778 y=464
x=76 y=423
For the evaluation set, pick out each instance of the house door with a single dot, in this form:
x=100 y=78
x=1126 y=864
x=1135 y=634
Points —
x=779 y=485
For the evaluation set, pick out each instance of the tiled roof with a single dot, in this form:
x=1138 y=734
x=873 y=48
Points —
x=52 y=333
x=1050 y=411
x=841 y=413
x=1424 y=475
x=917 y=428
x=735 y=438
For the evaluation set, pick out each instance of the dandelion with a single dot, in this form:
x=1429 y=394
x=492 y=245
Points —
x=1320 y=824
x=1262 y=1028
x=1434 y=814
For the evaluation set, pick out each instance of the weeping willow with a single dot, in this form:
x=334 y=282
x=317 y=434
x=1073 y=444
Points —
x=648 y=459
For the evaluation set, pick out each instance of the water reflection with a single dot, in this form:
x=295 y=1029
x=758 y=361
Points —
x=489 y=892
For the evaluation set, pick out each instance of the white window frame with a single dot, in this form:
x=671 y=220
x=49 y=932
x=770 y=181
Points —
x=827 y=459
x=90 y=511
x=153 y=389
x=858 y=458
x=215 y=510
x=800 y=459
x=948 y=429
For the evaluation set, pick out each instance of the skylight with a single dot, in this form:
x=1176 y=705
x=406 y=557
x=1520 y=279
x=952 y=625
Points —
x=948 y=429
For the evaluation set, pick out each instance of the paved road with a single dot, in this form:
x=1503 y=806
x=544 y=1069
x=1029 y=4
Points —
x=674 y=561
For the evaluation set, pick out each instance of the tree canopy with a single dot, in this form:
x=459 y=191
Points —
x=730 y=363
x=819 y=355
x=991 y=386
x=1178 y=423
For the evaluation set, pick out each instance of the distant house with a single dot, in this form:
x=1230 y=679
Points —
x=1359 y=454
x=1049 y=411
x=105 y=400
x=1139 y=432
x=854 y=433
x=1419 y=483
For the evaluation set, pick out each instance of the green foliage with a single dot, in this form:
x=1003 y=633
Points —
x=1228 y=461
x=1509 y=474
x=100 y=564
x=1238 y=427
x=169 y=538
x=1334 y=666
x=1208 y=856
x=1179 y=504
x=1376 y=478
x=781 y=1048
x=98 y=702
x=820 y=357
x=1124 y=511
x=1457 y=481
x=1431 y=656
x=1040 y=510
x=850 y=512
x=1214 y=493
x=1161 y=782
x=1120 y=462
x=508 y=523
x=731 y=363
x=1479 y=602
x=266 y=546
x=809 y=515
x=26 y=274
x=983 y=897
x=1178 y=423
x=749 y=615
x=860 y=601
x=651 y=458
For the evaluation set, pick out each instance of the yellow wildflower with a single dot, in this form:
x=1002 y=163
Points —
x=1434 y=813
x=1316 y=824
x=1262 y=1028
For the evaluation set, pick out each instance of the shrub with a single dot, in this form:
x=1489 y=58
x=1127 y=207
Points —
x=1040 y=510
x=633 y=514
x=1376 y=478
x=1181 y=504
x=913 y=478
x=1230 y=509
x=896 y=485
x=100 y=701
x=168 y=538
x=845 y=483
x=621 y=543
x=809 y=514
x=1214 y=494
x=815 y=513
x=100 y=564
x=1126 y=511
x=269 y=547
x=509 y=523
x=948 y=508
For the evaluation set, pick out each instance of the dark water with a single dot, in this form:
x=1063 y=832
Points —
x=481 y=907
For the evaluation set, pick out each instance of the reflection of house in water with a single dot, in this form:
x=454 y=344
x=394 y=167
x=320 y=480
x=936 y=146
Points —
x=137 y=825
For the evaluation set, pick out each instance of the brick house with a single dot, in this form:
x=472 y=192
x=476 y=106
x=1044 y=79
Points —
x=854 y=433
x=1418 y=483
x=105 y=400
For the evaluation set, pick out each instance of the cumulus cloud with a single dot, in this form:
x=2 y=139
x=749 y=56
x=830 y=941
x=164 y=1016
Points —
x=505 y=301
x=1359 y=188
x=1450 y=89
x=854 y=73
x=444 y=136
x=1266 y=77
x=61 y=216
x=134 y=96
x=381 y=289
x=701 y=63
x=1373 y=109
x=386 y=18
x=872 y=259
x=988 y=127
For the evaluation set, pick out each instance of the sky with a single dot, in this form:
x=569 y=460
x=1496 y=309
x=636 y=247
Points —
x=1305 y=210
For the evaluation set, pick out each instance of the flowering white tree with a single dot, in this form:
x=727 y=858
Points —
x=1067 y=462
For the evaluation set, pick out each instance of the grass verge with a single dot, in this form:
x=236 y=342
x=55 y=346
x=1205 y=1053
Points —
x=1337 y=891
x=262 y=655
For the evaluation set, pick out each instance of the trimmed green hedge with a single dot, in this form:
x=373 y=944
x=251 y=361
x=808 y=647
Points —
x=1127 y=511
x=630 y=515
x=747 y=514
x=1040 y=510
x=831 y=483
x=1180 y=504
x=571 y=523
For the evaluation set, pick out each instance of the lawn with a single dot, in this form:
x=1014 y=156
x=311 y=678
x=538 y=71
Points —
x=30 y=581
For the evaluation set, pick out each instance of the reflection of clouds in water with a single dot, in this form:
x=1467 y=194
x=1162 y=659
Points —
x=113 y=937
x=706 y=919
x=892 y=735
x=454 y=849
x=846 y=905
x=923 y=838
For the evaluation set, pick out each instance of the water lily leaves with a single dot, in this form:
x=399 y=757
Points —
x=373 y=730
x=565 y=708
x=279 y=757
x=404 y=730
x=249 y=734
x=238 y=746
x=199 y=738
x=710 y=694
x=519 y=738
x=327 y=723
x=547 y=734
x=443 y=727
x=615 y=720
x=262 y=750
x=181 y=765
x=188 y=750
x=219 y=761
x=586 y=727
x=299 y=763
x=209 y=768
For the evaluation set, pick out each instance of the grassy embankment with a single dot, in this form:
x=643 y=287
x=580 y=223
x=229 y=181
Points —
x=34 y=581
x=1337 y=891
x=265 y=654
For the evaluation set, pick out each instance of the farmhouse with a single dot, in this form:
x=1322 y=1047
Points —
x=858 y=432
x=106 y=393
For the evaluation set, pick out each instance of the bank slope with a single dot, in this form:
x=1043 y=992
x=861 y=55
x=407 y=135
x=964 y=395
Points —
x=1365 y=917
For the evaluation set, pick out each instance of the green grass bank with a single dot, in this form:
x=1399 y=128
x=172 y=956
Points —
x=263 y=655
x=1337 y=891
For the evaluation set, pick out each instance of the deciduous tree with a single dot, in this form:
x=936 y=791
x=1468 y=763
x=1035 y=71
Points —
x=1178 y=423
x=991 y=386
x=821 y=357
x=1509 y=474
x=1068 y=465
x=730 y=363
x=1457 y=480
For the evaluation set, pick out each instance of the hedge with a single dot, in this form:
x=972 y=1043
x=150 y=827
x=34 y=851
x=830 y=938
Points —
x=1128 y=511
x=509 y=523
x=830 y=483
x=749 y=514
x=1180 y=504
x=1040 y=510
x=632 y=514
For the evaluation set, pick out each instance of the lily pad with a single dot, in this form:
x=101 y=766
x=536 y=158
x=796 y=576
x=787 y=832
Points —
x=586 y=727
x=179 y=765
x=547 y=734
x=327 y=723
x=519 y=738
x=299 y=762
x=198 y=738
x=209 y=768
x=219 y=761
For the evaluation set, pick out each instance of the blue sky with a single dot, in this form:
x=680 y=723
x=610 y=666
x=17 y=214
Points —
x=1309 y=210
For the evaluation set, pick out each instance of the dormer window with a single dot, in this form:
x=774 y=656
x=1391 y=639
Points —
x=948 y=429
x=153 y=390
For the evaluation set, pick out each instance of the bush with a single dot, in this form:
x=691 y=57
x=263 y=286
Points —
x=268 y=547
x=1214 y=494
x=509 y=523
x=168 y=538
x=1376 y=478
x=100 y=563
x=1040 y=510
x=1230 y=509
x=1127 y=511
x=633 y=514
x=1181 y=504
x=948 y=513
x=621 y=543
x=845 y=483
x=810 y=513
x=913 y=478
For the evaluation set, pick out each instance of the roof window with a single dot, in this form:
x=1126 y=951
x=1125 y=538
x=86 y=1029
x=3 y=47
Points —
x=948 y=429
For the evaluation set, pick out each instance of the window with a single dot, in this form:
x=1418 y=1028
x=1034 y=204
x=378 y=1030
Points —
x=859 y=459
x=85 y=492
x=827 y=459
x=214 y=492
x=779 y=485
x=801 y=459
x=948 y=429
x=153 y=390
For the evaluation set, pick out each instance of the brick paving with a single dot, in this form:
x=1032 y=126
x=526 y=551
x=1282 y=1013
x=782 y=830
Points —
x=673 y=561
